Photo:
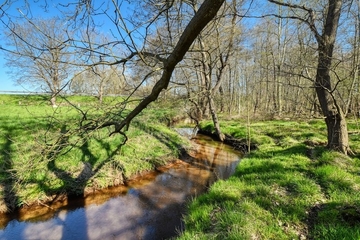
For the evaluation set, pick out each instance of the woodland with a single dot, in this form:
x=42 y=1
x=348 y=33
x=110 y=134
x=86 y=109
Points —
x=255 y=59
x=281 y=74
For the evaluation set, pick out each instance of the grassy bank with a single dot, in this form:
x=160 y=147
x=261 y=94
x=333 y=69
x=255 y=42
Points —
x=42 y=157
x=290 y=188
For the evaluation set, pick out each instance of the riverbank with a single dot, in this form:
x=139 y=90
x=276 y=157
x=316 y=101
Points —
x=150 y=207
x=291 y=187
x=48 y=209
x=44 y=157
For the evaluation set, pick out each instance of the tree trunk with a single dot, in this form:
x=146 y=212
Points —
x=222 y=106
x=334 y=116
x=206 y=76
x=337 y=133
x=53 y=100
x=101 y=92
x=338 y=138
x=215 y=118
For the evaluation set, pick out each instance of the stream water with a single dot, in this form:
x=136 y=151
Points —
x=150 y=207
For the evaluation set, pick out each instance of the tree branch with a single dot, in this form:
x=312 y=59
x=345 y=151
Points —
x=310 y=21
x=206 y=13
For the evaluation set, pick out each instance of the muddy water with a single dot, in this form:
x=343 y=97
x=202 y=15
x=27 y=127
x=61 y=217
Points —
x=148 y=208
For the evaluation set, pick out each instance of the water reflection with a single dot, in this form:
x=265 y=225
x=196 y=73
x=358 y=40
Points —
x=150 y=210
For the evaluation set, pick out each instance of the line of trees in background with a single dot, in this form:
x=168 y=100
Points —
x=290 y=59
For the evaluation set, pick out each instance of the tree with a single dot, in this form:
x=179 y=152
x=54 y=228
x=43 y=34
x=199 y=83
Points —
x=202 y=17
x=99 y=81
x=130 y=33
x=206 y=63
x=337 y=134
x=38 y=54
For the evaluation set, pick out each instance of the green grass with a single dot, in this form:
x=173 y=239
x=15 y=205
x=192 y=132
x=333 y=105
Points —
x=35 y=165
x=290 y=188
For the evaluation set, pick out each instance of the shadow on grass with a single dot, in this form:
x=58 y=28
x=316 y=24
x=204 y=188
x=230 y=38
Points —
x=8 y=174
x=165 y=139
x=14 y=133
x=290 y=190
x=71 y=184
x=11 y=176
x=76 y=185
x=334 y=220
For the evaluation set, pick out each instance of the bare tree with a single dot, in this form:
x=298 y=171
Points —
x=38 y=54
x=131 y=33
x=202 y=17
x=99 y=81
x=207 y=62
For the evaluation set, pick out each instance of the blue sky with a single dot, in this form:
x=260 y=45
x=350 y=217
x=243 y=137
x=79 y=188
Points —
x=6 y=83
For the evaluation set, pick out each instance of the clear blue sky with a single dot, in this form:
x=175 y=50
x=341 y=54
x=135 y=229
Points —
x=6 y=83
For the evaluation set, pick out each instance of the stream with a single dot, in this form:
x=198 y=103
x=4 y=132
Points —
x=149 y=207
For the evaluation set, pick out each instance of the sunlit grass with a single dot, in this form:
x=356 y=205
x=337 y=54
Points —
x=291 y=187
x=33 y=167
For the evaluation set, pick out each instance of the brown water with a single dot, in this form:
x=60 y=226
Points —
x=150 y=207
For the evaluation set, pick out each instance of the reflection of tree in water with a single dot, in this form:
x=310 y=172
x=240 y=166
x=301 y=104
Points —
x=151 y=211
x=202 y=168
x=214 y=158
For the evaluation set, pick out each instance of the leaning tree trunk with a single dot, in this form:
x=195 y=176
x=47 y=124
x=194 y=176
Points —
x=206 y=13
x=334 y=117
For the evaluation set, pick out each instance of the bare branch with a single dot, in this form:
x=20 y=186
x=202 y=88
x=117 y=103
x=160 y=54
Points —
x=310 y=20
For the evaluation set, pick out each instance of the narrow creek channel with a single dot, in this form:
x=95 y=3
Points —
x=150 y=207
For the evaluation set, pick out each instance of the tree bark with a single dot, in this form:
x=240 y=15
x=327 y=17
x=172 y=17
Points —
x=334 y=117
x=53 y=100
x=215 y=118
